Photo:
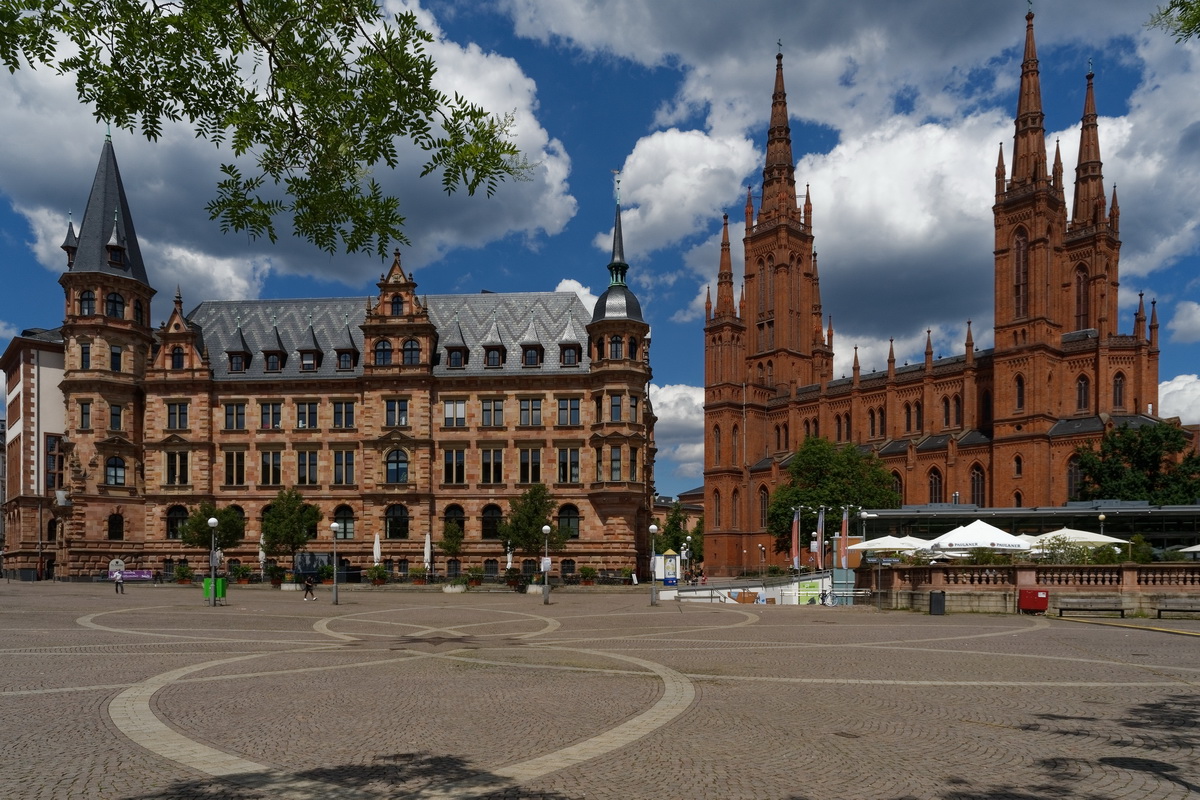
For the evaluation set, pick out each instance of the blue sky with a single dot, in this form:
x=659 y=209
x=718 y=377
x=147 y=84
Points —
x=897 y=111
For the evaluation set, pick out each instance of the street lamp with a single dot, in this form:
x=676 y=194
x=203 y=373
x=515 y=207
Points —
x=546 y=567
x=762 y=560
x=863 y=516
x=333 y=526
x=212 y=558
x=653 y=591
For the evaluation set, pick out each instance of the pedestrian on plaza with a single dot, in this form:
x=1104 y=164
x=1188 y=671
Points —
x=119 y=582
x=308 y=589
x=157 y=578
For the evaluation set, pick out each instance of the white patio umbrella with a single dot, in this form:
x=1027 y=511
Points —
x=978 y=534
x=883 y=544
x=376 y=550
x=262 y=554
x=428 y=550
x=1193 y=549
x=1079 y=537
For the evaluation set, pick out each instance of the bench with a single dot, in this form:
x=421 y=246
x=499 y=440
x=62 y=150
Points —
x=1181 y=605
x=1090 y=604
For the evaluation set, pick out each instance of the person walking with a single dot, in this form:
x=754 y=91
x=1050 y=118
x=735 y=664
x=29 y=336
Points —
x=309 y=594
x=119 y=582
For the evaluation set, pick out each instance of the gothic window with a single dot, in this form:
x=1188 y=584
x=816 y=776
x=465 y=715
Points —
x=1074 y=478
x=985 y=410
x=957 y=411
x=764 y=502
x=1119 y=390
x=1081 y=298
x=849 y=436
x=1018 y=466
x=716 y=440
x=770 y=374
x=87 y=303
x=1019 y=385
x=383 y=353
x=807 y=432
x=717 y=510
x=114 y=306
x=897 y=484
x=1021 y=274
x=907 y=418
x=735 y=509
x=871 y=423
x=837 y=427
x=395 y=522
x=919 y=416
x=734 y=446
x=1082 y=393
x=935 y=486
x=978 y=489
x=1016 y=499
x=412 y=353
x=945 y=412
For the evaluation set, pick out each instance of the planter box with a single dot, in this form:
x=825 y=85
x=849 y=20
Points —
x=452 y=588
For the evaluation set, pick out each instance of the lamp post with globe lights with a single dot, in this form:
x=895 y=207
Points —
x=334 y=528
x=653 y=590
x=546 y=567
x=212 y=559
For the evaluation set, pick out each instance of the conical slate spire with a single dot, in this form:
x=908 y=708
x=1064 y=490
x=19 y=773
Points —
x=617 y=267
x=107 y=220
x=779 y=172
x=1029 y=142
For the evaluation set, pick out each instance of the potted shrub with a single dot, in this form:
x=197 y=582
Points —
x=183 y=573
x=587 y=575
x=456 y=585
x=627 y=575
x=474 y=576
x=417 y=574
x=325 y=573
x=276 y=574
x=377 y=574
x=513 y=577
x=241 y=573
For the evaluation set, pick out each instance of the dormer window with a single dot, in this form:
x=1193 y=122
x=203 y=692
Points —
x=570 y=355
x=493 y=357
x=237 y=362
x=345 y=360
x=274 y=362
x=412 y=353
x=176 y=358
x=531 y=356
x=116 y=256
x=309 y=361
x=397 y=305
x=456 y=358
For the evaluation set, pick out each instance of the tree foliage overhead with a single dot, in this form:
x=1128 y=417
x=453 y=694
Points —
x=527 y=514
x=288 y=524
x=822 y=474
x=1144 y=463
x=1180 y=18
x=319 y=92
x=231 y=528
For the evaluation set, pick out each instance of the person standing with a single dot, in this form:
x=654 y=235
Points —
x=119 y=582
x=309 y=594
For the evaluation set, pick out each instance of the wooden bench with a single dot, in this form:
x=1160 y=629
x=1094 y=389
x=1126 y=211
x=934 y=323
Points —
x=1090 y=604
x=1180 y=605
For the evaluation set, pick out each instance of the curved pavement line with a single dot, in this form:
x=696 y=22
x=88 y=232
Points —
x=1172 y=631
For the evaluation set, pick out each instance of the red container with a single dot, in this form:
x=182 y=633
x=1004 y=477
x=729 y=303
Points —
x=1033 y=601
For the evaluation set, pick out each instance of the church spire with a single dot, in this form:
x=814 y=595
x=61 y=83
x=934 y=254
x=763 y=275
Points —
x=725 y=275
x=1029 y=142
x=617 y=267
x=107 y=221
x=779 y=172
x=1089 y=176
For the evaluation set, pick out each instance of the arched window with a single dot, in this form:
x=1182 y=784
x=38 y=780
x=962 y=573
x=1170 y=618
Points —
x=871 y=423
x=735 y=509
x=412 y=353
x=764 y=502
x=978 y=488
x=1018 y=466
x=454 y=515
x=616 y=348
x=274 y=362
x=1021 y=274
x=919 y=416
x=383 y=353
x=849 y=434
x=176 y=358
x=176 y=517
x=734 y=446
x=633 y=349
x=837 y=428
x=1083 y=393
x=1081 y=298
x=397 y=305
x=1019 y=385
x=787 y=439
x=396 y=463
x=1074 y=478
x=716 y=440
x=716 y=509
x=957 y=411
x=898 y=485
x=807 y=432
x=1017 y=500
x=770 y=374
x=114 y=471
x=114 y=306
x=492 y=517
x=344 y=517
x=935 y=486
x=1119 y=390
x=87 y=303
x=139 y=316
x=985 y=408
x=568 y=521
x=116 y=527
x=945 y=412
x=907 y=418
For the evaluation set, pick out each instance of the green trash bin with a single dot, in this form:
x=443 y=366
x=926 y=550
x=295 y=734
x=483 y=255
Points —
x=221 y=583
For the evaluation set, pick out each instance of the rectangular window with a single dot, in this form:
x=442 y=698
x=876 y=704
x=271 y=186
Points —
x=177 y=469
x=568 y=411
x=633 y=409
x=614 y=463
x=85 y=356
x=272 y=414
x=85 y=415
x=114 y=358
x=633 y=465
x=493 y=465
x=614 y=408
x=343 y=414
x=343 y=467
x=306 y=467
x=235 y=468
x=54 y=463
x=531 y=465
x=235 y=416
x=272 y=468
x=177 y=416
x=308 y=361
x=455 y=413
x=531 y=412
x=114 y=418
x=568 y=465
x=397 y=413
x=306 y=415
x=493 y=413
x=454 y=466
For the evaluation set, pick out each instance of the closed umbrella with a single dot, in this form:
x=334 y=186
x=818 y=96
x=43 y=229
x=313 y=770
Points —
x=262 y=555
x=428 y=550
x=376 y=550
x=508 y=552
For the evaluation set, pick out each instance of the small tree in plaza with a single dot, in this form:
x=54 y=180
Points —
x=451 y=542
x=288 y=524
x=527 y=515
x=230 y=530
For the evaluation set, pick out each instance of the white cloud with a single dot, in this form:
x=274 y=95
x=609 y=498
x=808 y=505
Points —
x=1180 y=397
x=1185 y=325
x=679 y=432
x=583 y=292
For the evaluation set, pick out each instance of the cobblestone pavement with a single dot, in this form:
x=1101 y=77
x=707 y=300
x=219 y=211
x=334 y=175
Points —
x=411 y=694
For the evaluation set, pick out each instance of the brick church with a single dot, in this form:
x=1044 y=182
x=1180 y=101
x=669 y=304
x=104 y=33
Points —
x=395 y=415
x=993 y=428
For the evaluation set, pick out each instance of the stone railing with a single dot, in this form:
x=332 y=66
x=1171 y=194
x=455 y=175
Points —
x=1165 y=578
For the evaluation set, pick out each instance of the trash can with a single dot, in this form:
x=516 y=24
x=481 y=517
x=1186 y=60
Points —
x=1033 y=601
x=220 y=588
x=937 y=603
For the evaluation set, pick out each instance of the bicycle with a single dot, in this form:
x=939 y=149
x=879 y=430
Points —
x=828 y=597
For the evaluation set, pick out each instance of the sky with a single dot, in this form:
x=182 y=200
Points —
x=897 y=113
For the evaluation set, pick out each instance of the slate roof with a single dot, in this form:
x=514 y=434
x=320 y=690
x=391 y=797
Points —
x=462 y=320
x=1071 y=427
x=106 y=219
